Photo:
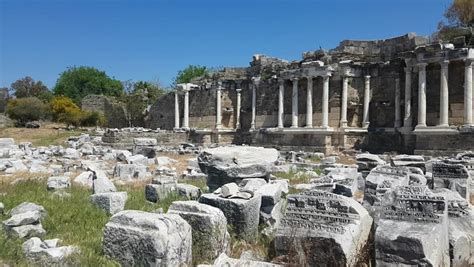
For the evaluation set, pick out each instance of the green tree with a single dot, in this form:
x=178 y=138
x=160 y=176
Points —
x=152 y=91
x=460 y=13
x=27 y=87
x=459 y=20
x=26 y=109
x=190 y=72
x=77 y=82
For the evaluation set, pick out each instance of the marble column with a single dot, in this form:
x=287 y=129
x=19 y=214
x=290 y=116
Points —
x=255 y=82
x=468 y=93
x=397 y=123
x=239 y=97
x=325 y=104
x=421 y=95
x=218 y=108
x=281 y=95
x=294 y=105
x=365 y=115
x=444 y=96
x=186 y=109
x=309 y=103
x=407 y=120
x=176 y=110
x=345 y=83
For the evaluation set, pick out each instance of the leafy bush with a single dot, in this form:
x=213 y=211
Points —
x=26 y=109
x=92 y=119
x=66 y=111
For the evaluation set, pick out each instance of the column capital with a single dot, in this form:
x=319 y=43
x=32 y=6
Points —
x=367 y=77
x=256 y=80
x=293 y=79
x=238 y=90
x=444 y=63
x=281 y=80
x=408 y=69
x=422 y=65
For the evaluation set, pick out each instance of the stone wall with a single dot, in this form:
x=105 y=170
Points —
x=114 y=111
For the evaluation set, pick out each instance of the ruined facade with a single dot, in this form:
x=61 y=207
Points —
x=401 y=94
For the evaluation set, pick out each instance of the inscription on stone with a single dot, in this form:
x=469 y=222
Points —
x=319 y=211
x=414 y=204
x=449 y=171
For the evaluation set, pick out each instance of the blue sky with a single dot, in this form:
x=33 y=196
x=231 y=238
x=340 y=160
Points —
x=152 y=40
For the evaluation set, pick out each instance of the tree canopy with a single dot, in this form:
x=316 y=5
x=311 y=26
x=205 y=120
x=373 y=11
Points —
x=77 y=82
x=459 y=20
x=190 y=72
x=27 y=87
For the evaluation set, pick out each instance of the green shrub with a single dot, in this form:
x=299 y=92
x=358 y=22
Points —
x=93 y=118
x=26 y=109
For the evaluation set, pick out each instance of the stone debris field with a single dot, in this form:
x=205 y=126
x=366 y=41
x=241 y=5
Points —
x=346 y=209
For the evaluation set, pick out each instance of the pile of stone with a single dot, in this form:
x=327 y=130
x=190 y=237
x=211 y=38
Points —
x=47 y=252
x=25 y=221
x=367 y=162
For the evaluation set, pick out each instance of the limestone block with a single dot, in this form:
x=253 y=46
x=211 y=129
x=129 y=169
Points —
x=229 y=189
x=37 y=252
x=111 y=202
x=209 y=227
x=58 y=182
x=242 y=214
x=313 y=233
x=130 y=172
x=224 y=260
x=157 y=192
x=252 y=184
x=102 y=184
x=138 y=238
x=271 y=194
x=188 y=190
x=28 y=206
x=84 y=179
x=231 y=164
x=26 y=231
x=137 y=159
x=413 y=228
x=29 y=217
x=2 y=208
x=145 y=141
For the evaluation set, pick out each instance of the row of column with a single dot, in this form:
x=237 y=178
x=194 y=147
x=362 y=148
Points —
x=444 y=96
x=185 y=124
x=407 y=120
x=325 y=102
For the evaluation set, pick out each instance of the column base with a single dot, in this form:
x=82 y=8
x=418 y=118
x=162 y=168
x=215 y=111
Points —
x=343 y=124
x=308 y=126
x=420 y=126
x=365 y=125
x=293 y=127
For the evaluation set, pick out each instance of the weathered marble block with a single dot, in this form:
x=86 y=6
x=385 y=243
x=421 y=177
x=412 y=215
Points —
x=378 y=182
x=111 y=202
x=323 y=229
x=232 y=164
x=138 y=238
x=242 y=214
x=209 y=227
x=452 y=176
x=413 y=228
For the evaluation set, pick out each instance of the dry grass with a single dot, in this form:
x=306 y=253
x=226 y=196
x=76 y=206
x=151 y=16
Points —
x=182 y=164
x=346 y=159
x=48 y=134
